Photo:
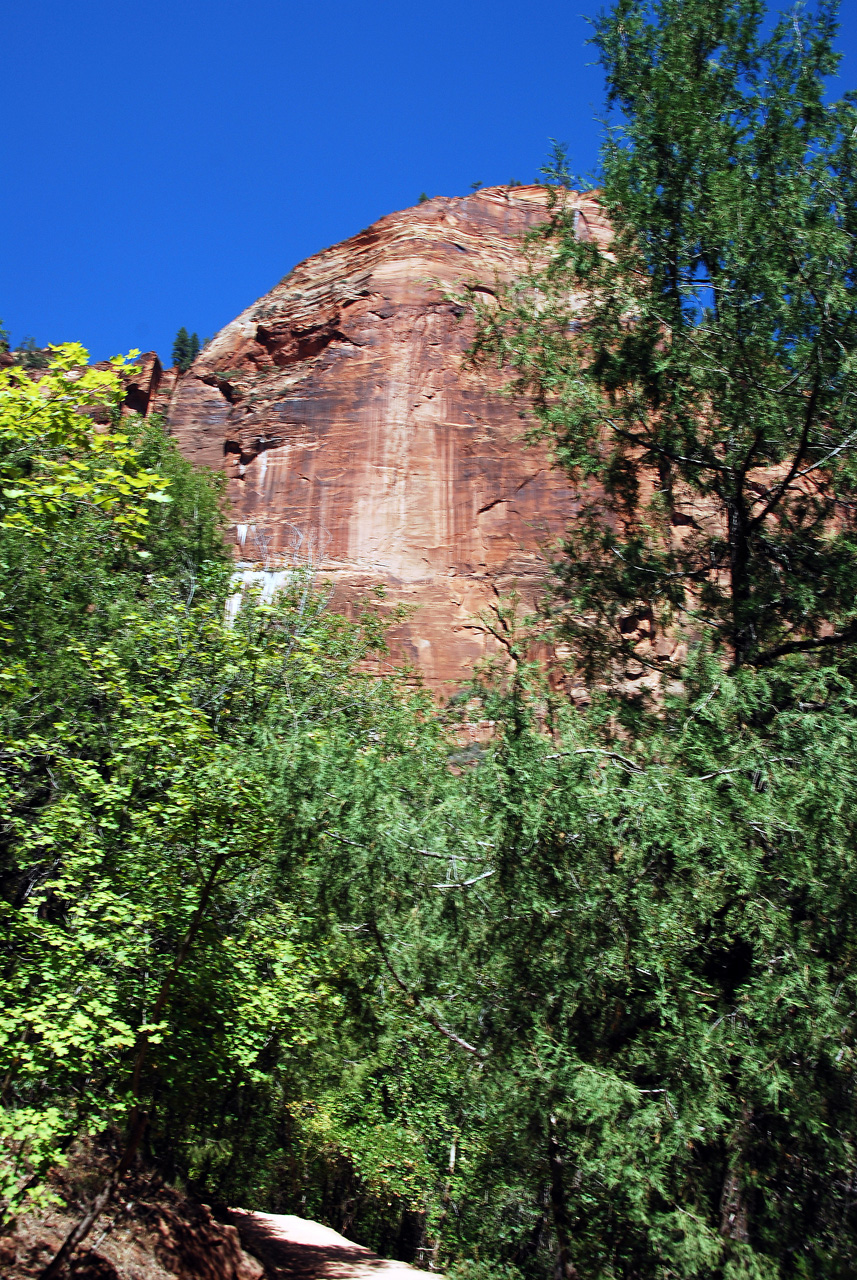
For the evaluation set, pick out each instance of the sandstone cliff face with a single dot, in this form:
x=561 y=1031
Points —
x=352 y=437
x=148 y=390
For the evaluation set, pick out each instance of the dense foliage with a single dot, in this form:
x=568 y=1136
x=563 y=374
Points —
x=164 y=783
x=659 y=977
x=697 y=381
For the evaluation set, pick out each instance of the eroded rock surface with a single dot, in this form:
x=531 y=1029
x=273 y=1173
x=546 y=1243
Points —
x=352 y=437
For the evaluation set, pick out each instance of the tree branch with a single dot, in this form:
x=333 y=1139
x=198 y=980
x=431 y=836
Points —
x=806 y=646
x=414 y=999
x=792 y=473
x=599 y=751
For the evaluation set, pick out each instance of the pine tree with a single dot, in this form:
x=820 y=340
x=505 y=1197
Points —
x=181 y=347
x=185 y=349
x=31 y=356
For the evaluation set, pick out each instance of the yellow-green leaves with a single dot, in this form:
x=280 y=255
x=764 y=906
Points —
x=60 y=449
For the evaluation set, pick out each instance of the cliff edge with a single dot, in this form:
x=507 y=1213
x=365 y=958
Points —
x=353 y=438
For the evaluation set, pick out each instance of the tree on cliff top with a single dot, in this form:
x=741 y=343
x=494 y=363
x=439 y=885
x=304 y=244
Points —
x=185 y=349
x=703 y=391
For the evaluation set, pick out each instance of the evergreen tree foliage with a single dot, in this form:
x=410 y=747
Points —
x=702 y=385
x=31 y=356
x=185 y=349
x=656 y=1097
x=659 y=979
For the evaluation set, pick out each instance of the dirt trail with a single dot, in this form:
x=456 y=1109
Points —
x=296 y=1249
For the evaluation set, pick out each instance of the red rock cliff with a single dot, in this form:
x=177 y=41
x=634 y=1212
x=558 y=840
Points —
x=352 y=437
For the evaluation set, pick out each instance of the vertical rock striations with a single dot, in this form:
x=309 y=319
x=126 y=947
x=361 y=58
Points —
x=352 y=437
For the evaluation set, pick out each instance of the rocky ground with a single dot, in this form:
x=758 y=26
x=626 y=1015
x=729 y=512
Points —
x=167 y=1237
x=297 y=1248
x=154 y=1232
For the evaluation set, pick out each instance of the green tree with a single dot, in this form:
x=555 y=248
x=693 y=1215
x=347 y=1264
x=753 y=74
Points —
x=651 y=954
x=172 y=785
x=699 y=379
x=55 y=461
x=657 y=978
x=185 y=349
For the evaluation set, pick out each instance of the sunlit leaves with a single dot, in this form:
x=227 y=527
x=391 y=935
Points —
x=60 y=447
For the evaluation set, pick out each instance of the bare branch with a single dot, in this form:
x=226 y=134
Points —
x=794 y=469
x=599 y=751
x=462 y=884
x=806 y=646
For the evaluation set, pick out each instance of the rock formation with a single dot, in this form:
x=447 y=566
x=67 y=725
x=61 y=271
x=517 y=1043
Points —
x=148 y=390
x=352 y=437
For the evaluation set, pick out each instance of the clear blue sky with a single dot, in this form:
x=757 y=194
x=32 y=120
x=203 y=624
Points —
x=164 y=164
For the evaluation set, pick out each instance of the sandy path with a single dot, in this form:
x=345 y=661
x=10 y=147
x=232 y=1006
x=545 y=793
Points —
x=296 y=1249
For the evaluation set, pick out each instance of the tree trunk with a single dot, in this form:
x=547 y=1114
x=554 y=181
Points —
x=565 y=1268
x=743 y=631
x=734 y=1217
x=734 y=1223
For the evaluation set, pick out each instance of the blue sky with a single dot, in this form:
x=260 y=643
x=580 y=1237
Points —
x=164 y=164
